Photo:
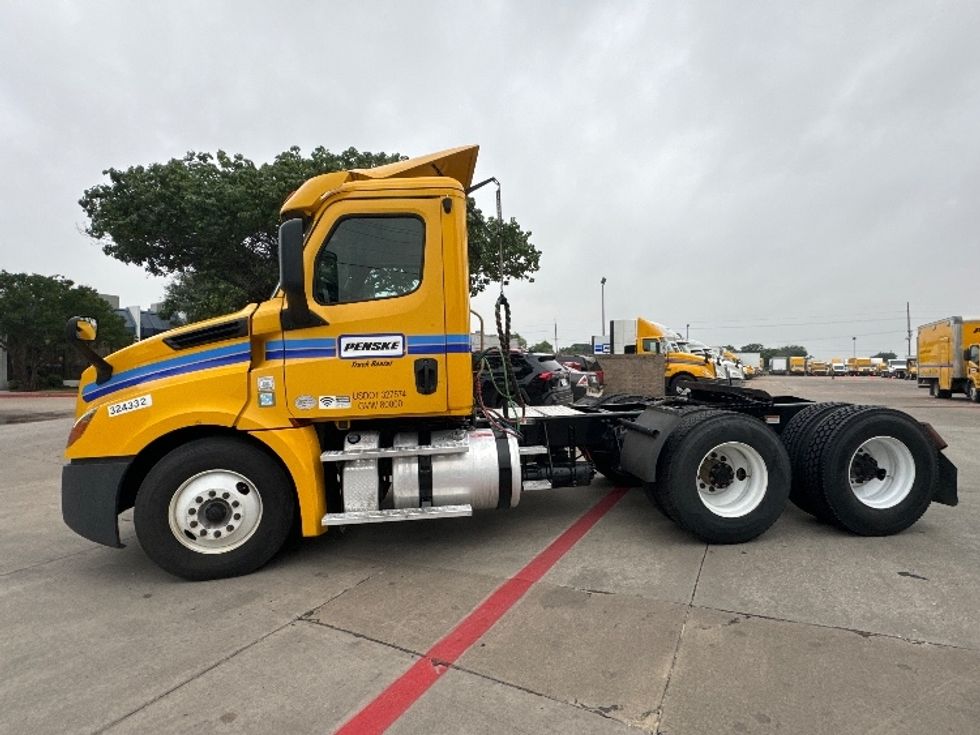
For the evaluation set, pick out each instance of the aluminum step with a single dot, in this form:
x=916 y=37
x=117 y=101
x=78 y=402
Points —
x=396 y=514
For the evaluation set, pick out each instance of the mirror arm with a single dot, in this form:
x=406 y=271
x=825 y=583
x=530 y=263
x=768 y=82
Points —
x=103 y=370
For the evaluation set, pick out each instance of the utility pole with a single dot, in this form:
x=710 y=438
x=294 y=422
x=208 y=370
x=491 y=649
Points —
x=603 y=284
x=908 y=326
x=555 y=346
x=687 y=332
x=855 y=340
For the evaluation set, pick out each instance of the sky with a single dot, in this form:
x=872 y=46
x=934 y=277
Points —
x=781 y=173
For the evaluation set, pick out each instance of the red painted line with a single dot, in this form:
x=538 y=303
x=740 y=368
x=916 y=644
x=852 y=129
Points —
x=382 y=712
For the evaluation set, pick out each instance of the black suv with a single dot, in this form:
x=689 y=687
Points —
x=541 y=380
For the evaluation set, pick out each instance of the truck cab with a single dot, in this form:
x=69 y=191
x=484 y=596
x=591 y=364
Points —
x=681 y=363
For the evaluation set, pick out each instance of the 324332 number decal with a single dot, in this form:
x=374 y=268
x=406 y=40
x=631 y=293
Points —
x=133 y=404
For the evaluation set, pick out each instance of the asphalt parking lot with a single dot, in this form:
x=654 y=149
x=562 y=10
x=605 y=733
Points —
x=637 y=628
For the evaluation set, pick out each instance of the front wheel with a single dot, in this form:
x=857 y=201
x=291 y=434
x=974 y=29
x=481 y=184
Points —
x=723 y=476
x=673 y=385
x=214 y=508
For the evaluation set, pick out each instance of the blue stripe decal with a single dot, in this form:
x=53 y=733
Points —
x=424 y=344
x=297 y=349
x=238 y=352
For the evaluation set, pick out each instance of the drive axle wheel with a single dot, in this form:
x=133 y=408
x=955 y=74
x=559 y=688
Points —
x=724 y=476
x=796 y=438
x=214 y=508
x=874 y=467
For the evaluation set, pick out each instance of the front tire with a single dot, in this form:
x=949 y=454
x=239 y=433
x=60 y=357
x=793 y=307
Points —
x=214 y=508
x=723 y=476
x=673 y=385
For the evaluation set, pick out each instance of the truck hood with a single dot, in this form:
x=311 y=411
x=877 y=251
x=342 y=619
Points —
x=222 y=340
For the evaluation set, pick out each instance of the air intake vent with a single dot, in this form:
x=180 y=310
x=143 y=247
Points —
x=207 y=335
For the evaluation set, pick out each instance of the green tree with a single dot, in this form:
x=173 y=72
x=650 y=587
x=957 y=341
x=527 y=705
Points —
x=752 y=347
x=886 y=355
x=542 y=346
x=578 y=348
x=211 y=221
x=33 y=312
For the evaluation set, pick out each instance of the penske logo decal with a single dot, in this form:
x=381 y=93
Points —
x=354 y=346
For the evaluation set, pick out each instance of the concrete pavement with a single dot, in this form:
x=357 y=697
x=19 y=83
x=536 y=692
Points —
x=639 y=628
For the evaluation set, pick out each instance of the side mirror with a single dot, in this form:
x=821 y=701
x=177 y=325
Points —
x=81 y=332
x=85 y=328
x=292 y=277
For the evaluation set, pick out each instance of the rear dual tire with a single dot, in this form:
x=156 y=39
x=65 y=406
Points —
x=867 y=469
x=722 y=476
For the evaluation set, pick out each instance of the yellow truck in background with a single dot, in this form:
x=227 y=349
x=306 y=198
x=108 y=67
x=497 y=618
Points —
x=641 y=336
x=347 y=397
x=949 y=357
x=818 y=367
x=860 y=366
x=797 y=365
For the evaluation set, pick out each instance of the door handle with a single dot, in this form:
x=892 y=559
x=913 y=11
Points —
x=426 y=375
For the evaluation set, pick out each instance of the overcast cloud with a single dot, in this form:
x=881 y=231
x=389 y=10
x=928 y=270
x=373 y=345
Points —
x=762 y=172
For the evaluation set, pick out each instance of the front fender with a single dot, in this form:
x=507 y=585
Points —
x=299 y=450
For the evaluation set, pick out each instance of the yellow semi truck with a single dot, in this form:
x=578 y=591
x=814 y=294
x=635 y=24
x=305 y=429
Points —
x=797 y=365
x=347 y=398
x=641 y=336
x=949 y=357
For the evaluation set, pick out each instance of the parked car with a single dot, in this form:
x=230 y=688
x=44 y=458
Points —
x=584 y=373
x=541 y=379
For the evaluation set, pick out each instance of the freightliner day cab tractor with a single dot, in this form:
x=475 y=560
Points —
x=347 y=398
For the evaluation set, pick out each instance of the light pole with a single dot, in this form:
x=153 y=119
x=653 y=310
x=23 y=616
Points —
x=855 y=341
x=602 y=283
x=687 y=332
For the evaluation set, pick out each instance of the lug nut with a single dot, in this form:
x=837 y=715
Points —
x=211 y=493
x=192 y=511
x=217 y=534
x=229 y=529
x=235 y=503
x=238 y=516
x=226 y=495
x=193 y=524
x=198 y=499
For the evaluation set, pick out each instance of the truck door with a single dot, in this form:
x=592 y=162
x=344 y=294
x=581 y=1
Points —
x=374 y=272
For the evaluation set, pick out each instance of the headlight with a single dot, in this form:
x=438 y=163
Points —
x=80 y=425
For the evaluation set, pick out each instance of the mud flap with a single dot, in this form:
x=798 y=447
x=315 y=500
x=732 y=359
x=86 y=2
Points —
x=945 y=491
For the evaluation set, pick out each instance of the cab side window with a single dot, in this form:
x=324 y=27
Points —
x=975 y=353
x=365 y=258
